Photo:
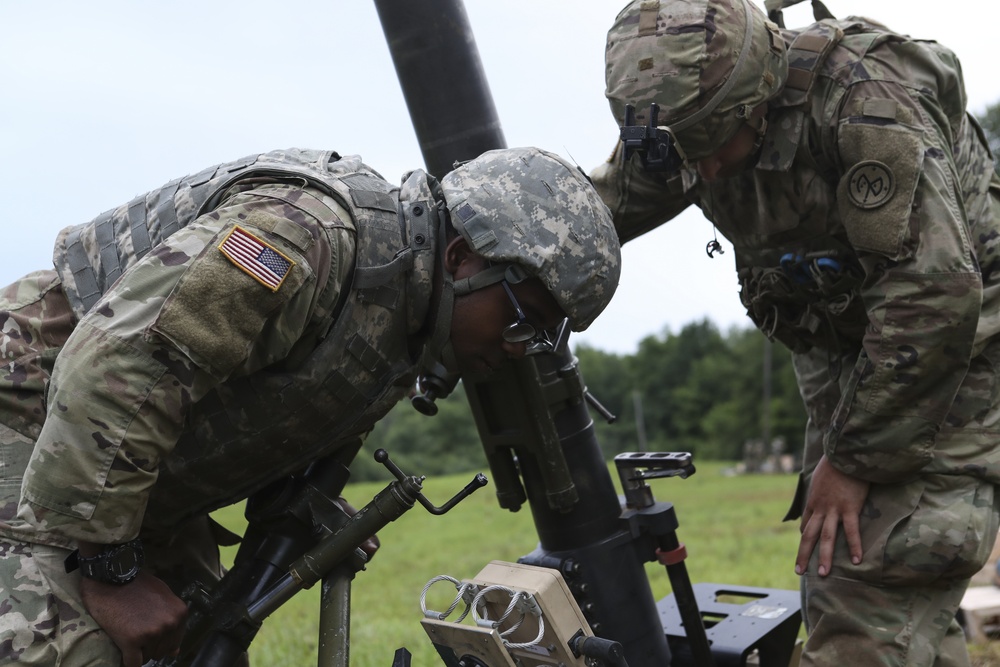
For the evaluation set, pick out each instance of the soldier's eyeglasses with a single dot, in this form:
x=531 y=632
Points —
x=520 y=331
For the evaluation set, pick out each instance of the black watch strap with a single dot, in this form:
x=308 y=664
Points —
x=116 y=564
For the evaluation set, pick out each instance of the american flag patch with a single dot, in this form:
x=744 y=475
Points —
x=264 y=264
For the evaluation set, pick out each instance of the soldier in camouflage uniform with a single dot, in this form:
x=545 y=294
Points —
x=226 y=330
x=861 y=200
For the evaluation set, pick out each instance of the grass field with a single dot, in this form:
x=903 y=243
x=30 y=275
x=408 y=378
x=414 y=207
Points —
x=731 y=525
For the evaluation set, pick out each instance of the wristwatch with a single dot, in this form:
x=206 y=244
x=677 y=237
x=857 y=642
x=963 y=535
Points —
x=117 y=564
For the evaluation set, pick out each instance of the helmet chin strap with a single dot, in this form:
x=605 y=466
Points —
x=484 y=278
x=450 y=289
x=439 y=344
x=758 y=124
x=438 y=364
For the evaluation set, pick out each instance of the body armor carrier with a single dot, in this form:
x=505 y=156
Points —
x=799 y=276
x=277 y=420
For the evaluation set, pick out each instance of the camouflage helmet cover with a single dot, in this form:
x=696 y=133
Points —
x=529 y=207
x=704 y=62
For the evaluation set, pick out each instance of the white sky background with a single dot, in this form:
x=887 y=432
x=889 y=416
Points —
x=103 y=100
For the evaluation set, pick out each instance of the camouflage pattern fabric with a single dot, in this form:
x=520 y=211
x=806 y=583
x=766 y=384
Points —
x=681 y=55
x=90 y=257
x=923 y=541
x=921 y=322
x=866 y=241
x=339 y=379
x=520 y=205
x=35 y=321
x=43 y=620
x=128 y=374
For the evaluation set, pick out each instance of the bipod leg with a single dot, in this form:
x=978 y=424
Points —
x=335 y=619
x=672 y=554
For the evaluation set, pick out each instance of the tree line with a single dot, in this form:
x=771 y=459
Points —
x=699 y=390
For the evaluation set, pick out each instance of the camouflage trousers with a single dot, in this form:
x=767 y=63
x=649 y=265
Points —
x=922 y=543
x=923 y=540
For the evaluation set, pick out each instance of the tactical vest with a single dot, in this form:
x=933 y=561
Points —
x=798 y=274
x=252 y=430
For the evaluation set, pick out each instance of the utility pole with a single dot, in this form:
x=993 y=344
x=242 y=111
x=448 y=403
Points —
x=640 y=420
x=766 y=417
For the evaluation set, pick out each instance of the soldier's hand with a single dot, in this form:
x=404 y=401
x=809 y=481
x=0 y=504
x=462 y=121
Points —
x=834 y=500
x=144 y=618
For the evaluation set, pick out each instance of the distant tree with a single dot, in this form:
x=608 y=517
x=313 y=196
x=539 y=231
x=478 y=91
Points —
x=703 y=391
x=698 y=390
x=661 y=370
x=445 y=443
x=608 y=378
x=735 y=413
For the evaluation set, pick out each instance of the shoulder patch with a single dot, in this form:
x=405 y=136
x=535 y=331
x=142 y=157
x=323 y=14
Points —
x=262 y=261
x=876 y=192
x=870 y=184
x=215 y=315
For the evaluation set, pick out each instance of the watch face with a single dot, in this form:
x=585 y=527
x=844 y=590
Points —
x=124 y=562
x=117 y=564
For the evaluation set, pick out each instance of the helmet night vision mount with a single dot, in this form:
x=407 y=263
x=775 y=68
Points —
x=656 y=146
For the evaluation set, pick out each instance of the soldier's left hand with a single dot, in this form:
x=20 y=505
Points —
x=834 y=500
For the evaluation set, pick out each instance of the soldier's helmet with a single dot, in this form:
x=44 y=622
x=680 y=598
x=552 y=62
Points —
x=706 y=63
x=533 y=209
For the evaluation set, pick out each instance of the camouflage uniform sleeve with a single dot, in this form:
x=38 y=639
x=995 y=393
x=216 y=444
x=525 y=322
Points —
x=189 y=315
x=638 y=200
x=900 y=200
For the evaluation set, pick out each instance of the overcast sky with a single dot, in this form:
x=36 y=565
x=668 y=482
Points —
x=104 y=100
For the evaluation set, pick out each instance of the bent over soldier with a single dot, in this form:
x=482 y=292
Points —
x=862 y=204
x=230 y=328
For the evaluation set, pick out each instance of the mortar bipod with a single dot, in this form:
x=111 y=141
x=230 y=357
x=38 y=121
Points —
x=233 y=617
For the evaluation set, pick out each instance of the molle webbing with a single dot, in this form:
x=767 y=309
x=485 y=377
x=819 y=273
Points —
x=648 y=13
x=166 y=213
x=110 y=258
x=373 y=276
x=805 y=54
x=137 y=223
x=87 y=288
x=775 y=14
x=126 y=234
x=96 y=254
x=369 y=194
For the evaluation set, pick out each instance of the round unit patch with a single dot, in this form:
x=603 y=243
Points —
x=870 y=184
